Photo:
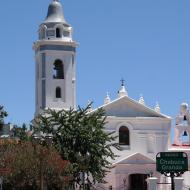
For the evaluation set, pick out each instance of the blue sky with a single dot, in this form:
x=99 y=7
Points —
x=145 y=42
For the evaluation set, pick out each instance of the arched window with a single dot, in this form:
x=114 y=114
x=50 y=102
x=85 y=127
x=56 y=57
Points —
x=58 y=33
x=185 y=138
x=58 y=70
x=58 y=92
x=124 y=135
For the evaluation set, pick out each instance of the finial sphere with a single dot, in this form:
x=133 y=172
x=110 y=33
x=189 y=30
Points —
x=122 y=82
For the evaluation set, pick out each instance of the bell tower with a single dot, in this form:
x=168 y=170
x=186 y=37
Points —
x=182 y=128
x=55 y=53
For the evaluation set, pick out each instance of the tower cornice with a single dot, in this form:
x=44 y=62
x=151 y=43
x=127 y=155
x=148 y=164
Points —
x=39 y=43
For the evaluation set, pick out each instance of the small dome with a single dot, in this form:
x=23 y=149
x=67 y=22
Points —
x=55 y=13
x=184 y=109
x=122 y=92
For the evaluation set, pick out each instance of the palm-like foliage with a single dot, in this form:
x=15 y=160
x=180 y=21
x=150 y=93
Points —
x=80 y=138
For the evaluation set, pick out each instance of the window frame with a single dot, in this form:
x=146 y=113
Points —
x=126 y=132
x=58 y=73
x=58 y=91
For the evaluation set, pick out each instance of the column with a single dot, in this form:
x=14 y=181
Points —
x=178 y=183
x=152 y=183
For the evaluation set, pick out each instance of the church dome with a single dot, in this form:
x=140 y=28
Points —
x=55 y=13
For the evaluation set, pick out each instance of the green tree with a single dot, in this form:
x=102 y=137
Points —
x=80 y=138
x=3 y=114
x=20 y=132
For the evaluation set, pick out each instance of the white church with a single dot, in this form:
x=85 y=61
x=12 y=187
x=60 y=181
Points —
x=142 y=131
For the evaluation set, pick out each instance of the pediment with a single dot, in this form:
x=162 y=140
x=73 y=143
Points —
x=127 y=107
x=136 y=158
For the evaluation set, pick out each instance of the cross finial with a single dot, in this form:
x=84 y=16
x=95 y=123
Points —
x=122 y=92
x=122 y=82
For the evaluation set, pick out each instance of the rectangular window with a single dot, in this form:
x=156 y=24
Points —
x=43 y=94
x=50 y=33
x=73 y=60
x=66 y=33
x=43 y=65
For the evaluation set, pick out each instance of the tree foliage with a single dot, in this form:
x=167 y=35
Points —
x=24 y=163
x=3 y=114
x=80 y=138
x=21 y=132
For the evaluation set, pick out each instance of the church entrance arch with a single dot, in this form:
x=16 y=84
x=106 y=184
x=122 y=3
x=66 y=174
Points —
x=138 y=181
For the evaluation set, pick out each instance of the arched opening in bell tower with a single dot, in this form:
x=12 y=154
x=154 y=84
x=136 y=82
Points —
x=58 y=92
x=58 y=33
x=58 y=72
x=185 y=138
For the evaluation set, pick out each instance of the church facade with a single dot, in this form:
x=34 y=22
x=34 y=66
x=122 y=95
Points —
x=142 y=131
